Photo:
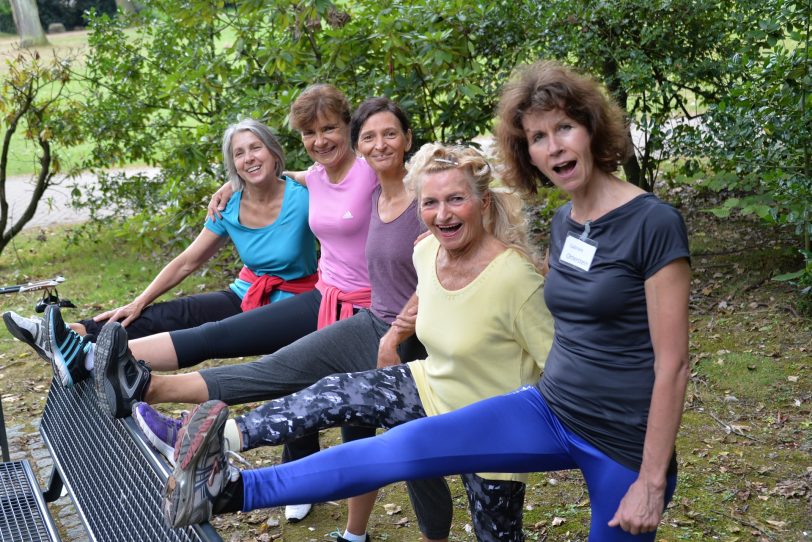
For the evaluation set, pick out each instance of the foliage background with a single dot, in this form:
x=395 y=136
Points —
x=718 y=89
x=6 y=19
x=681 y=69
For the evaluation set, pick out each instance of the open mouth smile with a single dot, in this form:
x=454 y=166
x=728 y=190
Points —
x=565 y=167
x=449 y=229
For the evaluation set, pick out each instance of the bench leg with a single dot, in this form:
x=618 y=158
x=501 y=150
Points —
x=54 y=487
x=3 y=436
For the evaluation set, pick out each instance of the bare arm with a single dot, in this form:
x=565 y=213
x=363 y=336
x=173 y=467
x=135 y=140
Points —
x=402 y=329
x=218 y=201
x=667 y=294
x=298 y=176
x=199 y=252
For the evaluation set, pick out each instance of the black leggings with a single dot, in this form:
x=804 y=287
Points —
x=253 y=333
x=182 y=313
x=263 y=330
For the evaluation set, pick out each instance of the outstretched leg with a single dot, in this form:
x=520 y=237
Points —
x=509 y=433
x=379 y=398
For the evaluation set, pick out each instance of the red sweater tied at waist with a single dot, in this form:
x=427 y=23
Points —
x=263 y=285
x=332 y=296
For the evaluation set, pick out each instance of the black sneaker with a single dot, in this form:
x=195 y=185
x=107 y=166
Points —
x=340 y=538
x=31 y=331
x=67 y=348
x=121 y=380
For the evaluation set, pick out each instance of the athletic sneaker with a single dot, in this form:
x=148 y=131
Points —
x=121 y=380
x=202 y=471
x=340 y=538
x=295 y=513
x=67 y=347
x=161 y=431
x=31 y=331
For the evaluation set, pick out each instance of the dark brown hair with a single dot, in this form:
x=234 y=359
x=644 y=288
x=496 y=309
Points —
x=547 y=86
x=373 y=106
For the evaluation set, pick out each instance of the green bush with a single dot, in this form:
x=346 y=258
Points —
x=757 y=137
x=802 y=279
x=173 y=76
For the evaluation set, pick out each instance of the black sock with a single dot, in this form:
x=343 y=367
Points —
x=231 y=499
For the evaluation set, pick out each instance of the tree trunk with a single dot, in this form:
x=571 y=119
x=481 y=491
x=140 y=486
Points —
x=126 y=6
x=26 y=19
x=631 y=167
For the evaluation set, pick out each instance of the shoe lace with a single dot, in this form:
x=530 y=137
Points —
x=235 y=461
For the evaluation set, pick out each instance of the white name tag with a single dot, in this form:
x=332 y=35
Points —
x=578 y=253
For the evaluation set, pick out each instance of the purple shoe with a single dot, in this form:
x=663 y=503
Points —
x=161 y=431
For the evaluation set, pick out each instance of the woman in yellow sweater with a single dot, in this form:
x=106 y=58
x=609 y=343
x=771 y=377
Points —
x=482 y=320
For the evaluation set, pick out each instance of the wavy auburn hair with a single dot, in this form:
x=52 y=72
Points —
x=547 y=86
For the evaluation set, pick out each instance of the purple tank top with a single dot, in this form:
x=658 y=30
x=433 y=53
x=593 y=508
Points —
x=389 y=259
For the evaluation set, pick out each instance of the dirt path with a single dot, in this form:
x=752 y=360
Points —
x=54 y=207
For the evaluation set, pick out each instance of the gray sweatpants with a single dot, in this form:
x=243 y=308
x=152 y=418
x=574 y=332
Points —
x=346 y=346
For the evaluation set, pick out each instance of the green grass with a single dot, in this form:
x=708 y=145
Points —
x=102 y=271
x=23 y=154
x=67 y=44
x=746 y=376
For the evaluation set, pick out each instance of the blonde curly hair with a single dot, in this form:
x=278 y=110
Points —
x=505 y=219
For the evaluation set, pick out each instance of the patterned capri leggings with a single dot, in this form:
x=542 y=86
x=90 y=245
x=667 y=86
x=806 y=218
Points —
x=381 y=398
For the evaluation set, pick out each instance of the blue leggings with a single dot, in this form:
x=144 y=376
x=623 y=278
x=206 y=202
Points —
x=516 y=432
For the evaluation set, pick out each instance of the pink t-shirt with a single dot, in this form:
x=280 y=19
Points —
x=339 y=216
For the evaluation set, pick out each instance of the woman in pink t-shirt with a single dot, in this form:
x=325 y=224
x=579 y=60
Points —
x=341 y=186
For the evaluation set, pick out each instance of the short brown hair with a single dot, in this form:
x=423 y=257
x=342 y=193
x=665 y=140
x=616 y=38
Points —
x=546 y=86
x=317 y=100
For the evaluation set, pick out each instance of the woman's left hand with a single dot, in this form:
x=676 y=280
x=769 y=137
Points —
x=667 y=293
x=387 y=353
x=641 y=509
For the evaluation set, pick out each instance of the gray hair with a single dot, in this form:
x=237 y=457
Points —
x=265 y=135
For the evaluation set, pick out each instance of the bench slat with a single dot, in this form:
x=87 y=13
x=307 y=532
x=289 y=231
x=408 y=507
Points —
x=24 y=516
x=115 y=481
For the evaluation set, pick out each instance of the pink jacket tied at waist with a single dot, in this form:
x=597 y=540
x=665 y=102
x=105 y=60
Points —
x=262 y=286
x=332 y=296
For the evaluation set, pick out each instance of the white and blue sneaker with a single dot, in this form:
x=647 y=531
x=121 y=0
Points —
x=67 y=348
x=31 y=331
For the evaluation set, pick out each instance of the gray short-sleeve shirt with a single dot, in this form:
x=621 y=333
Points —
x=600 y=372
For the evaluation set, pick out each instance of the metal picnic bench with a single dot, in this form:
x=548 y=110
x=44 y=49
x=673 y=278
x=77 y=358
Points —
x=113 y=476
